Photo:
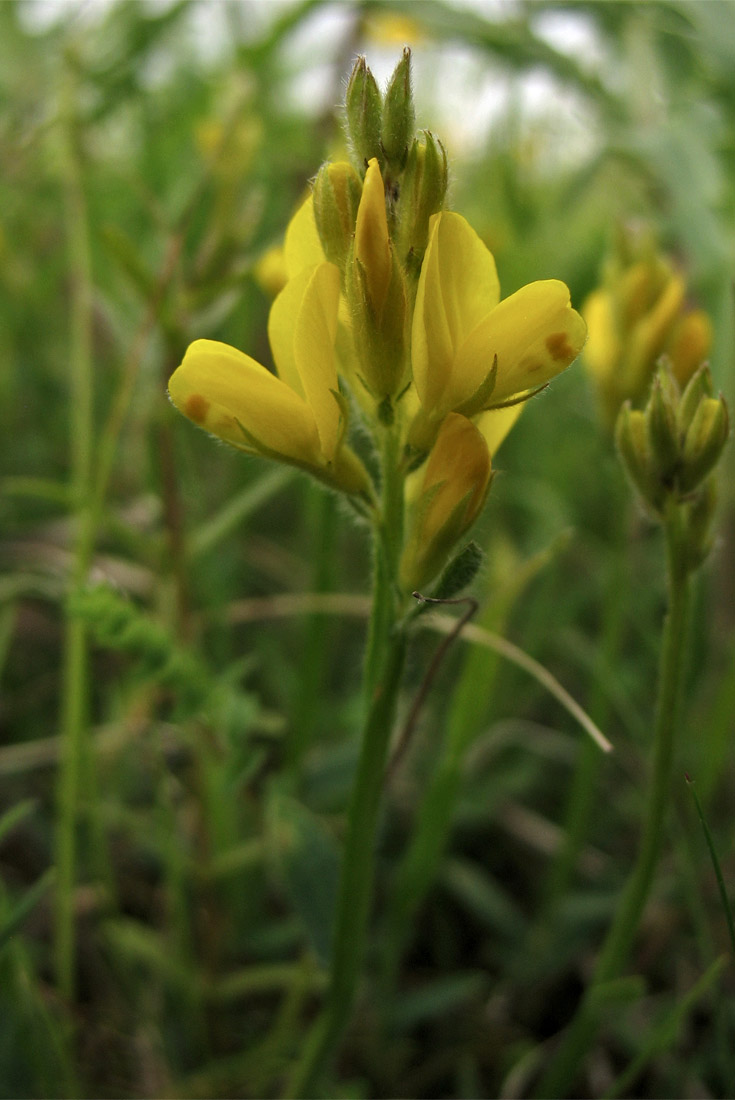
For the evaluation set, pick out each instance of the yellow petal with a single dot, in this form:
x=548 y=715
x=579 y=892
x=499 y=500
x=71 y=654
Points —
x=314 y=345
x=495 y=424
x=372 y=242
x=458 y=287
x=302 y=328
x=282 y=327
x=446 y=497
x=459 y=464
x=602 y=350
x=535 y=335
x=216 y=386
x=302 y=247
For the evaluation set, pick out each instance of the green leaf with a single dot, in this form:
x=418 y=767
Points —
x=307 y=859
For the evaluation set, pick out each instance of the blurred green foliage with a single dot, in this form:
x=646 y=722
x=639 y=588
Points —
x=218 y=724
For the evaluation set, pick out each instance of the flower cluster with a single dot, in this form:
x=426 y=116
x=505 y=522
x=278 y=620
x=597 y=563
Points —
x=391 y=313
x=639 y=314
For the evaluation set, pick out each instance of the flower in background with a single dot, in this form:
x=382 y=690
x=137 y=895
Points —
x=638 y=315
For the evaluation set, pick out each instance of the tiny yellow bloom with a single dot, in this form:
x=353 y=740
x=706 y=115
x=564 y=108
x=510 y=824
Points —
x=295 y=417
x=270 y=270
x=447 y=495
x=470 y=350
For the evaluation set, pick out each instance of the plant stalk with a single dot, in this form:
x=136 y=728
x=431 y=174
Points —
x=74 y=689
x=618 y=942
x=385 y=657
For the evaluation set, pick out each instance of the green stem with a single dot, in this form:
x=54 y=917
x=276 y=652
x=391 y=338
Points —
x=619 y=940
x=75 y=657
x=384 y=663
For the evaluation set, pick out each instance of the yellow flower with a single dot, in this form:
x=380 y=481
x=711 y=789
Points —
x=471 y=351
x=638 y=316
x=296 y=417
x=448 y=495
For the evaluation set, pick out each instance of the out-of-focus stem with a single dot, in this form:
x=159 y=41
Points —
x=619 y=940
x=74 y=690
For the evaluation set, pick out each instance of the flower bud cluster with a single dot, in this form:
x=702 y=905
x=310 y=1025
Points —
x=671 y=448
x=639 y=314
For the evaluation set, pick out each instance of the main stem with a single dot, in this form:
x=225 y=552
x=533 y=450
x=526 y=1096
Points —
x=617 y=945
x=386 y=651
x=75 y=656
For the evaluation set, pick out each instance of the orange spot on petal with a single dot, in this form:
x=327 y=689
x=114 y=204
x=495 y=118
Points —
x=558 y=347
x=196 y=408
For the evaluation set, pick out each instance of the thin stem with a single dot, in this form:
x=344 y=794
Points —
x=384 y=663
x=619 y=940
x=75 y=656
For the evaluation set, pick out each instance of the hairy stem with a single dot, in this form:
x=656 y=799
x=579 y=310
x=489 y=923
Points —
x=386 y=651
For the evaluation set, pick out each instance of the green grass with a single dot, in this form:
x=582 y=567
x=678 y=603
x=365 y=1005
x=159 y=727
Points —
x=182 y=629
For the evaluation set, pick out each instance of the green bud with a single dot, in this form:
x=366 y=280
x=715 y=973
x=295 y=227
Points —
x=398 y=114
x=337 y=192
x=423 y=188
x=364 y=114
x=460 y=572
x=663 y=435
x=699 y=386
x=379 y=337
x=703 y=443
x=631 y=437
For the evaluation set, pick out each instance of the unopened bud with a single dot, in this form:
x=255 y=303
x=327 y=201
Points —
x=663 y=436
x=364 y=113
x=376 y=294
x=423 y=188
x=372 y=240
x=631 y=437
x=703 y=443
x=379 y=337
x=398 y=113
x=452 y=488
x=337 y=192
x=698 y=387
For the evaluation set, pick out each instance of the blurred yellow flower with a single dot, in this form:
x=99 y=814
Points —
x=393 y=29
x=639 y=315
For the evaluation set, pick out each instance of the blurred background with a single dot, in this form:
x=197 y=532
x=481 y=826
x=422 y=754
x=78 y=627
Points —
x=178 y=724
